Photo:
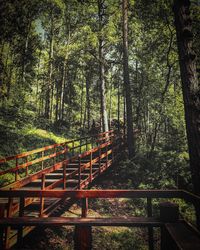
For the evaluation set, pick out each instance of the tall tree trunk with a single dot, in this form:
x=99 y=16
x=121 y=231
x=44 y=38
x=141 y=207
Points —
x=88 y=79
x=82 y=106
x=37 y=81
x=129 y=115
x=104 y=116
x=51 y=101
x=190 y=87
x=24 y=55
x=61 y=109
x=118 y=105
x=49 y=84
x=110 y=106
x=57 y=102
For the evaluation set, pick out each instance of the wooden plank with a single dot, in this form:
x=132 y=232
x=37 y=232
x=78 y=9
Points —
x=94 y=193
x=2 y=214
x=183 y=236
x=89 y=221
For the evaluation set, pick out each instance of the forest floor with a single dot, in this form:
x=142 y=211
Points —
x=104 y=238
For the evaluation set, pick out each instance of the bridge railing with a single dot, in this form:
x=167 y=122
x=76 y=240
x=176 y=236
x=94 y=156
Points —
x=84 y=224
x=33 y=161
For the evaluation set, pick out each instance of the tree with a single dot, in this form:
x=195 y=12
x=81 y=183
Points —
x=130 y=135
x=104 y=117
x=190 y=87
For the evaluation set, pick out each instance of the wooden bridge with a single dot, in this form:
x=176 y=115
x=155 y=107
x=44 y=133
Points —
x=42 y=183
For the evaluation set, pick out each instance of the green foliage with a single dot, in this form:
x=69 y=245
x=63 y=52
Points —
x=165 y=170
x=53 y=46
x=118 y=239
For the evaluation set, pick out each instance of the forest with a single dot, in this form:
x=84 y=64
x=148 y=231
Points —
x=69 y=66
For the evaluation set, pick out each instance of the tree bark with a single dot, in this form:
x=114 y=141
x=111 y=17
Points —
x=104 y=116
x=49 y=84
x=88 y=79
x=63 y=86
x=118 y=106
x=25 y=50
x=190 y=88
x=129 y=115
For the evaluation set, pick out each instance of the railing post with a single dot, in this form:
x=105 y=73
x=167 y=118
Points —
x=8 y=229
x=84 y=207
x=42 y=198
x=112 y=153
x=169 y=213
x=54 y=158
x=79 y=172
x=64 y=167
x=2 y=211
x=64 y=176
x=42 y=160
x=83 y=234
x=106 y=156
x=91 y=167
x=150 y=229
x=20 y=230
x=26 y=166
x=16 y=172
x=99 y=160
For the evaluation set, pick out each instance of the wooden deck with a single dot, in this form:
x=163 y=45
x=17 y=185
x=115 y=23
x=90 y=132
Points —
x=65 y=166
x=36 y=196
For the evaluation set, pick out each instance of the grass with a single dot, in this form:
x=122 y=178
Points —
x=41 y=133
x=14 y=141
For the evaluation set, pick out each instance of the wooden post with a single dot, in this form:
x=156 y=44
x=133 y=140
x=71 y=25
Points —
x=169 y=212
x=83 y=234
x=16 y=172
x=64 y=176
x=54 y=158
x=91 y=167
x=112 y=154
x=99 y=160
x=84 y=207
x=106 y=156
x=2 y=214
x=20 y=230
x=79 y=172
x=42 y=160
x=150 y=229
x=7 y=231
x=42 y=199
x=27 y=166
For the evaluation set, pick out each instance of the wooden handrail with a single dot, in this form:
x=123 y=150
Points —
x=91 y=221
x=54 y=167
x=32 y=162
x=43 y=158
x=79 y=194
x=22 y=155
x=18 y=156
